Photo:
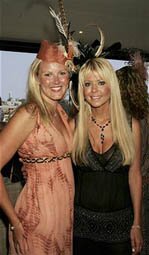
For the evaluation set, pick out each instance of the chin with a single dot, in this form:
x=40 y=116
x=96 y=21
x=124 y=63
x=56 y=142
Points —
x=99 y=104
x=57 y=98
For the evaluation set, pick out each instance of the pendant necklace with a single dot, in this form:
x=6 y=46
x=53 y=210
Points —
x=102 y=128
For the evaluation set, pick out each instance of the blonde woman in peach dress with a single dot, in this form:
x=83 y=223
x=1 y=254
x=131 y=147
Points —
x=42 y=223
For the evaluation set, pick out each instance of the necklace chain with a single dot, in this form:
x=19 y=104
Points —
x=102 y=128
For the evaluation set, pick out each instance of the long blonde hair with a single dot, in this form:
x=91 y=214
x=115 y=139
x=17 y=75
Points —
x=121 y=129
x=34 y=94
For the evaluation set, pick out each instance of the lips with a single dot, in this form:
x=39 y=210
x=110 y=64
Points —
x=95 y=97
x=56 y=89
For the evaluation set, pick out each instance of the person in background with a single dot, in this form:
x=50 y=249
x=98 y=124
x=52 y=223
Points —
x=106 y=155
x=1 y=111
x=135 y=98
x=42 y=222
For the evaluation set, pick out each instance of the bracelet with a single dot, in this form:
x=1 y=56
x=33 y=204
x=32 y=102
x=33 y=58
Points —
x=12 y=228
x=136 y=226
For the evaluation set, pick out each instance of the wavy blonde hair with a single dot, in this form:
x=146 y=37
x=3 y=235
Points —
x=121 y=129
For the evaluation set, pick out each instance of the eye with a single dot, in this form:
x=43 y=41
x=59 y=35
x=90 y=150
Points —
x=87 y=84
x=47 y=74
x=101 y=82
x=63 y=73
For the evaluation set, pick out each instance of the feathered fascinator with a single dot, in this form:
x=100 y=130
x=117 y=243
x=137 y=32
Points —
x=64 y=51
x=67 y=45
x=90 y=51
x=75 y=52
x=51 y=53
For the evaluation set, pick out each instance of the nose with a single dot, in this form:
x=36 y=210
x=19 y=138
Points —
x=56 y=79
x=94 y=87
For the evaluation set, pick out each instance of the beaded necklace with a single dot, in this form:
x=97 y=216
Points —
x=102 y=128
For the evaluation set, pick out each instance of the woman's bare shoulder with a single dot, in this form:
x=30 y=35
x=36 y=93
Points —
x=29 y=109
x=24 y=118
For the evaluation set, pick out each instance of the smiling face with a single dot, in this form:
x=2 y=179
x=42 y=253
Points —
x=53 y=79
x=96 y=90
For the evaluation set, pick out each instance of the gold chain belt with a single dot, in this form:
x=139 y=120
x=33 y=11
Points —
x=45 y=159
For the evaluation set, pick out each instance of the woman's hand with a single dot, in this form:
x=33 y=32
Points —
x=136 y=239
x=19 y=238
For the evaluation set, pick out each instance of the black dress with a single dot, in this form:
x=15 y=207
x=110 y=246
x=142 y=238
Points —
x=103 y=209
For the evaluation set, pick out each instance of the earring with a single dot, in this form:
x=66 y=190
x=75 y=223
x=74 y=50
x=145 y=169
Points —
x=71 y=96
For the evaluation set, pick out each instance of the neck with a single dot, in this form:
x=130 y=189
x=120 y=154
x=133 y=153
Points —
x=100 y=115
x=51 y=104
x=51 y=108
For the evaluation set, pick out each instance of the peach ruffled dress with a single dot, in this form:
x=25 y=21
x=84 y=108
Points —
x=45 y=205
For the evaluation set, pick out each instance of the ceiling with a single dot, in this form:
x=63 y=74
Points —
x=124 y=21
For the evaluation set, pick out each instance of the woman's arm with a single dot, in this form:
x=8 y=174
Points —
x=135 y=179
x=11 y=138
x=6 y=205
x=14 y=134
x=135 y=183
x=21 y=244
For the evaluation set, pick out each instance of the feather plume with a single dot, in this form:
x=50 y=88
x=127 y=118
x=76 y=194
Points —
x=58 y=22
x=63 y=14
